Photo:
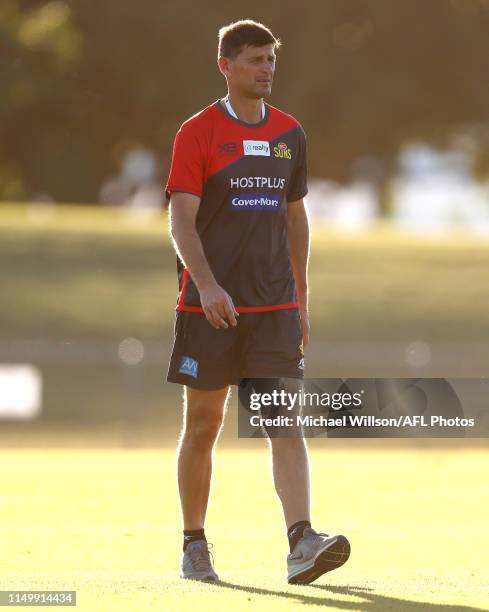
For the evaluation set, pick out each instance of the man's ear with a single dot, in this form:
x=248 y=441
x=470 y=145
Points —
x=223 y=64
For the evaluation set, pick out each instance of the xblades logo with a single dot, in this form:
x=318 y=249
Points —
x=228 y=147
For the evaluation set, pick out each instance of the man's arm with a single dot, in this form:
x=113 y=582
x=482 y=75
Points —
x=216 y=303
x=299 y=244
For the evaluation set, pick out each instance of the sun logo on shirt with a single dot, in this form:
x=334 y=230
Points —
x=282 y=151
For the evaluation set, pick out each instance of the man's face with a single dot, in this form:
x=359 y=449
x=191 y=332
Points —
x=251 y=71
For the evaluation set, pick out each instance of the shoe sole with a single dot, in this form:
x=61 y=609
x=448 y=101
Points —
x=330 y=559
x=204 y=579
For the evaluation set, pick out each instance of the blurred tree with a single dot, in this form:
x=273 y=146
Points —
x=85 y=82
x=39 y=48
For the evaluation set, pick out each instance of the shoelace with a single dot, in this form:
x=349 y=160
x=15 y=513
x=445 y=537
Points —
x=201 y=557
x=318 y=533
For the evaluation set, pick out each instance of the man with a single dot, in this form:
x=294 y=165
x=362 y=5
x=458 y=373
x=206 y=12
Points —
x=240 y=229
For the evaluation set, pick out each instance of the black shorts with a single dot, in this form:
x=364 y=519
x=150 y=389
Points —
x=262 y=345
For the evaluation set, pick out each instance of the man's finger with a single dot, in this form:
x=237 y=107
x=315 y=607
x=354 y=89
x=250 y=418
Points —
x=219 y=317
x=229 y=313
x=223 y=311
x=211 y=317
x=222 y=322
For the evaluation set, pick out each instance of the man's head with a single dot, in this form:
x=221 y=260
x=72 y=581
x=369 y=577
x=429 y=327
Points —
x=246 y=57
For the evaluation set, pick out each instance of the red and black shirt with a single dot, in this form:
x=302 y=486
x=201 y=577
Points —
x=244 y=174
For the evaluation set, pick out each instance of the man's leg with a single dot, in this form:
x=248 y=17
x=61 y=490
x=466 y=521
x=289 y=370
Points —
x=311 y=553
x=203 y=417
x=290 y=467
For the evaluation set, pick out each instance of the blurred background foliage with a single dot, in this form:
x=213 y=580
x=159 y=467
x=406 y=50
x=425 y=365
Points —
x=394 y=98
x=84 y=83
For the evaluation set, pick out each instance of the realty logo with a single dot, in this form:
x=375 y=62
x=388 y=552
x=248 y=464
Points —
x=189 y=366
x=256 y=147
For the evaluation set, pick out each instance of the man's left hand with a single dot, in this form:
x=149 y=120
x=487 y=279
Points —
x=304 y=314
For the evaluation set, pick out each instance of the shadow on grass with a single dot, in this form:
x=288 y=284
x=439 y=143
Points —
x=373 y=601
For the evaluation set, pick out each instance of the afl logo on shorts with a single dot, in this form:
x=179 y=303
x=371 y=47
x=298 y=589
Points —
x=301 y=363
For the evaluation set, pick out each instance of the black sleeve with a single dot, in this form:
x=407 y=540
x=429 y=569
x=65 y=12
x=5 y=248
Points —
x=297 y=188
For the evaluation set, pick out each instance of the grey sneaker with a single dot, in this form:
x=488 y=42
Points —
x=314 y=555
x=196 y=562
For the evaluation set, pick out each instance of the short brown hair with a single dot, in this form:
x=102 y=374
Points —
x=244 y=33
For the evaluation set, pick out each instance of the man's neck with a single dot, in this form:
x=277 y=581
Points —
x=247 y=109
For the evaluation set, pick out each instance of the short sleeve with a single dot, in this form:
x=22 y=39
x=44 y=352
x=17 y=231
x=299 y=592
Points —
x=187 y=165
x=297 y=187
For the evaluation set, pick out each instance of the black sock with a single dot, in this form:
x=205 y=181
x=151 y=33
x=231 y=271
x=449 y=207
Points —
x=295 y=531
x=190 y=535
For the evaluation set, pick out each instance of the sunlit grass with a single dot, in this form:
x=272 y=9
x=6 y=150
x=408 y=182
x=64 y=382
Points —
x=107 y=525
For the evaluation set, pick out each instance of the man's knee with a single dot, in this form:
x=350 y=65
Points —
x=288 y=444
x=204 y=414
x=202 y=431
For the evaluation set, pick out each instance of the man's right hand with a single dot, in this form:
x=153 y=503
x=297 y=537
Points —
x=218 y=306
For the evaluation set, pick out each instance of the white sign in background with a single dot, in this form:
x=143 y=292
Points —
x=20 y=391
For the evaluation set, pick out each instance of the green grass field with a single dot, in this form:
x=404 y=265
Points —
x=106 y=524
x=91 y=272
